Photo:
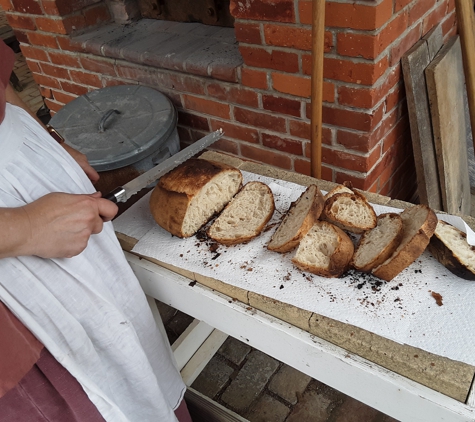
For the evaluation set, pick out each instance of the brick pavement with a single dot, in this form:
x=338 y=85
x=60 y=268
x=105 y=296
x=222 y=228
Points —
x=245 y=380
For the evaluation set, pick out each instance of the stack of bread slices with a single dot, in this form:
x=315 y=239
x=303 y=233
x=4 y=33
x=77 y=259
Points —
x=199 y=192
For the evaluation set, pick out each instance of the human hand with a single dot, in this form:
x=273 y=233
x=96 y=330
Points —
x=81 y=159
x=61 y=223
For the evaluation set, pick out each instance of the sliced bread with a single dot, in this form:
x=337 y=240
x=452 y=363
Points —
x=419 y=223
x=449 y=246
x=346 y=187
x=298 y=220
x=188 y=196
x=349 y=211
x=379 y=243
x=245 y=216
x=325 y=250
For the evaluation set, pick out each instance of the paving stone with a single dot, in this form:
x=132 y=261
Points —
x=179 y=323
x=213 y=378
x=288 y=383
x=354 y=411
x=234 y=350
x=250 y=381
x=268 y=409
x=312 y=407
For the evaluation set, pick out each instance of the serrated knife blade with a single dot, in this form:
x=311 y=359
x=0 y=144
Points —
x=123 y=193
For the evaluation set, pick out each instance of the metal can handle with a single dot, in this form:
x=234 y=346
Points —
x=106 y=115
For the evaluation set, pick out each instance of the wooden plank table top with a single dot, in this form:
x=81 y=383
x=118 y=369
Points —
x=444 y=375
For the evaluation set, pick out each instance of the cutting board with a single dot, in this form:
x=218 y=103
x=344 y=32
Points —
x=446 y=85
x=414 y=63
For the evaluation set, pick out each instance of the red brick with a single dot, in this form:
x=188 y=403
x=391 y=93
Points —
x=6 y=5
x=434 y=17
x=418 y=9
x=44 y=80
x=227 y=146
x=358 y=16
x=290 y=146
x=21 y=36
x=21 y=22
x=264 y=10
x=405 y=44
x=74 y=23
x=352 y=162
x=395 y=134
x=139 y=74
x=357 y=182
x=401 y=4
x=288 y=36
x=254 y=78
x=395 y=97
x=31 y=7
x=62 y=97
x=50 y=8
x=273 y=59
x=51 y=25
x=74 y=88
x=64 y=60
x=449 y=25
x=257 y=119
x=249 y=33
x=102 y=66
x=97 y=14
x=281 y=105
x=187 y=83
x=85 y=78
x=291 y=84
x=66 y=44
x=266 y=156
x=33 y=66
x=371 y=46
x=46 y=92
x=206 y=106
x=299 y=128
x=192 y=120
x=348 y=118
x=222 y=73
x=34 y=53
x=366 y=73
x=113 y=82
x=234 y=131
x=54 y=71
x=67 y=7
x=233 y=95
x=44 y=40
x=53 y=105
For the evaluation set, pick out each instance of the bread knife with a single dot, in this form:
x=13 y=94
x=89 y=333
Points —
x=123 y=193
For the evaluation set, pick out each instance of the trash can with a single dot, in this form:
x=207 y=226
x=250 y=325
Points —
x=123 y=130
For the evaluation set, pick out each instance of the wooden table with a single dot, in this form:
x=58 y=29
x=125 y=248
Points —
x=402 y=381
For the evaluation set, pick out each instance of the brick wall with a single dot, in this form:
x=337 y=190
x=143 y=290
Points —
x=265 y=114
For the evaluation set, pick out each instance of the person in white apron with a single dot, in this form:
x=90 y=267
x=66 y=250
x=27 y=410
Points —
x=64 y=276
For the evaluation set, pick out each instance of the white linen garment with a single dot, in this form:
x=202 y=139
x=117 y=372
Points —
x=89 y=311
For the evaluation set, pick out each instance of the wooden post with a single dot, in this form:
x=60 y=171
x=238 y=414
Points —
x=318 y=48
x=466 y=24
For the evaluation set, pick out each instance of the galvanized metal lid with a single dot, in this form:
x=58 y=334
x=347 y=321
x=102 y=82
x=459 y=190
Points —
x=117 y=126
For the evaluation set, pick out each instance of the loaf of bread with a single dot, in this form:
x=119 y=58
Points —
x=298 y=220
x=379 y=243
x=245 y=216
x=449 y=246
x=349 y=211
x=188 y=196
x=419 y=223
x=325 y=250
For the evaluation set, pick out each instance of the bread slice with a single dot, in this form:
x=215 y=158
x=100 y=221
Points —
x=449 y=246
x=349 y=211
x=245 y=216
x=419 y=223
x=188 y=196
x=378 y=244
x=325 y=250
x=300 y=217
x=346 y=187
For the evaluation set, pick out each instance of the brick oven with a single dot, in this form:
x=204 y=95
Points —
x=250 y=74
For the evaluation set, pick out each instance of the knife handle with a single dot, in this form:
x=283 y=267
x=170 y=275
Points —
x=116 y=195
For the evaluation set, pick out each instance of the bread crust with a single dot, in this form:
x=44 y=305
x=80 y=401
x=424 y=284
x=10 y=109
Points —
x=356 y=196
x=312 y=216
x=388 y=249
x=257 y=231
x=340 y=259
x=173 y=193
x=448 y=258
x=412 y=249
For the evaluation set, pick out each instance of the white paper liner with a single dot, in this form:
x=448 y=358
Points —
x=402 y=310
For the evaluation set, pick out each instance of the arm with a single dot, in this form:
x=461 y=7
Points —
x=13 y=98
x=58 y=225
